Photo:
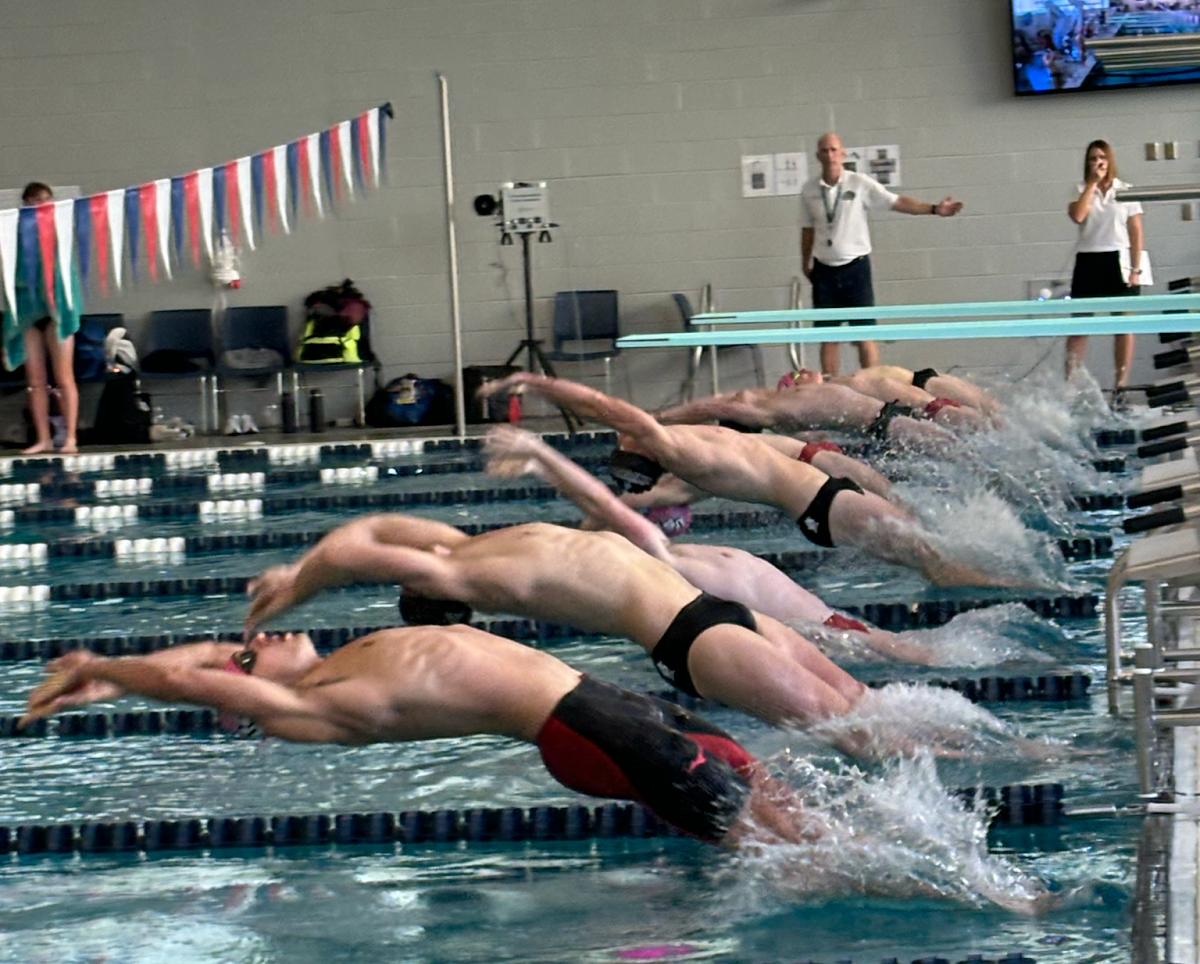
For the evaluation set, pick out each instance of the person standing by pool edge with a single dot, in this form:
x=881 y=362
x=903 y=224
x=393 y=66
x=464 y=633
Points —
x=835 y=240
x=35 y=332
x=1109 y=257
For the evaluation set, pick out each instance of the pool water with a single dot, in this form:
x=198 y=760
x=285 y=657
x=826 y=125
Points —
x=864 y=893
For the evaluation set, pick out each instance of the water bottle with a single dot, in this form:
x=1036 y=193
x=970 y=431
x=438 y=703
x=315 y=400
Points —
x=288 y=412
x=316 y=411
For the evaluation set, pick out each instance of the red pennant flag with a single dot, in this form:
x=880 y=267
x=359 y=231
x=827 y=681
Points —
x=270 y=188
x=232 y=199
x=149 y=206
x=191 y=201
x=335 y=159
x=99 y=207
x=305 y=177
x=46 y=244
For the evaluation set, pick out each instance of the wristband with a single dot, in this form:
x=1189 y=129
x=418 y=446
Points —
x=933 y=209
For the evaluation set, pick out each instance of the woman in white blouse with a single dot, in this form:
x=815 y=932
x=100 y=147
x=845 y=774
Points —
x=1108 y=255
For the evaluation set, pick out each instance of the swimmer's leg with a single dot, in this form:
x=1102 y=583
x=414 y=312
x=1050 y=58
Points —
x=877 y=527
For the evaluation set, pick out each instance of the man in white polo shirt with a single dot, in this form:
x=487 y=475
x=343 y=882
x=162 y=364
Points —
x=835 y=241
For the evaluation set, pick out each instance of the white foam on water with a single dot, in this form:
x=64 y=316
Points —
x=898 y=833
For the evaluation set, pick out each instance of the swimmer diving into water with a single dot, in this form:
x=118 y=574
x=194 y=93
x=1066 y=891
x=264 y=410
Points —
x=722 y=571
x=421 y=683
x=600 y=582
x=424 y=683
x=722 y=462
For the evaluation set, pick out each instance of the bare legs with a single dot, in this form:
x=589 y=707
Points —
x=868 y=355
x=38 y=346
x=1123 y=346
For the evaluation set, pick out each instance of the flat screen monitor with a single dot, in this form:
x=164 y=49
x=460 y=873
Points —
x=1064 y=45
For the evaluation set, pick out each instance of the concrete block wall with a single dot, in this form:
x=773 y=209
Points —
x=636 y=113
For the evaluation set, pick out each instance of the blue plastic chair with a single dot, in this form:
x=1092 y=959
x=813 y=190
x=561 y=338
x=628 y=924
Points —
x=186 y=335
x=586 y=328
x=696 y=355
x=253 y=327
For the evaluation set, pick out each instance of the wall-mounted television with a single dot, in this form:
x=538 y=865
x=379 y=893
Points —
x=1061 y=45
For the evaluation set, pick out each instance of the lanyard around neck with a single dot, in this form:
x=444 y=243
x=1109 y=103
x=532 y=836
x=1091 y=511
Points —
x=831 y=212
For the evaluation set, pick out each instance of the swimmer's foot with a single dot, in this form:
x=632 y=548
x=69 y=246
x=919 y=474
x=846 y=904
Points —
x=69 y=447
x=41 y=445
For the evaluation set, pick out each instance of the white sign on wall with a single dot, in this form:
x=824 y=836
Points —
x=768 y=175
x=880 y=161
x=758 y=175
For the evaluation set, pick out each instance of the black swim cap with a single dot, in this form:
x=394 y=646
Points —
x=633 y=473
x=418 y=610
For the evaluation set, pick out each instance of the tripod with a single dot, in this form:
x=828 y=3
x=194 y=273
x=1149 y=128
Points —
x=536 y=359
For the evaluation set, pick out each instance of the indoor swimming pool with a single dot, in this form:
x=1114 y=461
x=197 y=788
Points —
x=435 y=877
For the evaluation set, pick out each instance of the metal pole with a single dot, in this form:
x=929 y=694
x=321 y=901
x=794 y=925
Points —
x=1112 y=631
x=795 y=351
x=460 y=411
x=530 y=344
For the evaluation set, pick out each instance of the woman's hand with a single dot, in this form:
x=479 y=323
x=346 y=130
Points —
x=68 y=685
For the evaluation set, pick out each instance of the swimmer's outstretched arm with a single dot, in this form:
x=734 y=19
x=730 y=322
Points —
x=306 y=716
x=716 y=408
x=668 y=490
x=361 y=551
x=584 y=401
x=513 y=449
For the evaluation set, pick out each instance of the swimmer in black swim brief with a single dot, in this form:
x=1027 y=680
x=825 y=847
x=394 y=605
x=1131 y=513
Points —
x=921 y=378
x=670 y=654
x=609 y=742
x=878 y=429
x=814 y=523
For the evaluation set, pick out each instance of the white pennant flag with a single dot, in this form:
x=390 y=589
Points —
x=345 y=149
x=373 y=137
x=162 y=206
x=8 y=254
x=281 y=186
x=312 y=144
x=64 y=231
x=204 y=189
x=246 y=197
x=116 y=231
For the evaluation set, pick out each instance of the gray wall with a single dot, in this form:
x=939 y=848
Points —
x=634 y=111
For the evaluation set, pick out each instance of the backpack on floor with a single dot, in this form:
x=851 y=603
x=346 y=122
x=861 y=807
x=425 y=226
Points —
x=123 y=415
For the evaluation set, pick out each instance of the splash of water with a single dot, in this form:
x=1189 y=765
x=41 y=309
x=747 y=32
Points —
x=995 y=636
x=979 y=529
x=906 y=718
x=896 y=834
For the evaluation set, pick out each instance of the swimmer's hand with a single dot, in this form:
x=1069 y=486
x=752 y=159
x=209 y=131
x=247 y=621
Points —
x=68 y=685
x=514 y=384
x=512 y=452
x=272 y=591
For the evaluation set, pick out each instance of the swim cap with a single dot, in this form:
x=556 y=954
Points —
x=787 y=381
x=674 y=520
x=938 y=404
x=632 y=472
x=812 y=448
x=418 y=610
x=242 y=663
x=739 y=427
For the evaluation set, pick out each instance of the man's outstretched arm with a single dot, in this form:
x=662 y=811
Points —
x=513 y=450
x=584 y=401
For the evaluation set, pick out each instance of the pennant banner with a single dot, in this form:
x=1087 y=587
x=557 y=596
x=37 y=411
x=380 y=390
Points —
x=64 y=231
x=83 y=236
x=8 y=254
x=116 y=231
x=243 y=198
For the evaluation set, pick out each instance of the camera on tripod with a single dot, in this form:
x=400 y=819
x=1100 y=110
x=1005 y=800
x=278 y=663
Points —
x=522 y=207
